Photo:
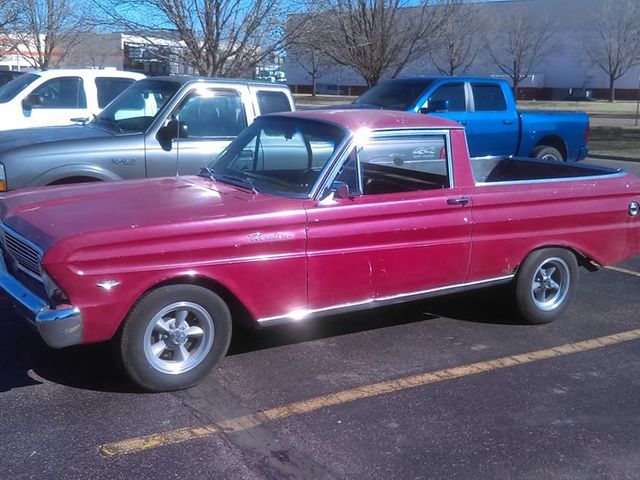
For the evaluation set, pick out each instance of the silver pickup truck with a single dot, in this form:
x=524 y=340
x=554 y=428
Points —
x=157 y=127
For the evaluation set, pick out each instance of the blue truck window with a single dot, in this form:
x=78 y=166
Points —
x=488 y=98
x=454 y=93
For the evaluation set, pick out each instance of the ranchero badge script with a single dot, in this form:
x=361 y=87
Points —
x=269 y=237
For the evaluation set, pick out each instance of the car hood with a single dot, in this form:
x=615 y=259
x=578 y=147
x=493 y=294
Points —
x=11 y=139
x=127 y=208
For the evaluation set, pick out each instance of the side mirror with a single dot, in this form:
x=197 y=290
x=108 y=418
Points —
x=436 y=106
x=340 y=190
x=174 y=129
x=32 y=100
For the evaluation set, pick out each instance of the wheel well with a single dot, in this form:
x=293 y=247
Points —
x=240 y=316
x=72 y=180
x=555 y=142
x=583 y=260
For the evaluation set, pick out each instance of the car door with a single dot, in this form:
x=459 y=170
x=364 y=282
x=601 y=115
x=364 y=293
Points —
x=493 y=128
x=455 y=94
x=407 y=232
x=213 y=116
x=58 y=101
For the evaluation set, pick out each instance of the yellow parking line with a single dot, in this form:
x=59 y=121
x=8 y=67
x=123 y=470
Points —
x=246 y=422
x=623 y=270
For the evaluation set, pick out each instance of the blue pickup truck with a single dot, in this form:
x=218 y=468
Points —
x=487 y=109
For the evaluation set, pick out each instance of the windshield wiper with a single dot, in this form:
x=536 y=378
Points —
x=242 y=182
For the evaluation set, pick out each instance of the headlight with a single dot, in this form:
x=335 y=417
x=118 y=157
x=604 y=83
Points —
x=3 y=179
x=54 y=292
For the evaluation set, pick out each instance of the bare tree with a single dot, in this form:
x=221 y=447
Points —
x=8 y=14
x=380 y=37
x=310 y=56
x=49 y=29
x=614 y=43
x=516 y=43
x=459 y=40
x=226 y=38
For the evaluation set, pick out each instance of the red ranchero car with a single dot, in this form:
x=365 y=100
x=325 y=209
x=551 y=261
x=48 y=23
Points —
x=304 y=214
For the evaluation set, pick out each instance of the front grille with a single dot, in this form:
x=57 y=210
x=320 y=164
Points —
x=25 y=254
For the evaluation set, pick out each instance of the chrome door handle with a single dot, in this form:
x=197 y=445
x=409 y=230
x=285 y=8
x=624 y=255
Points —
x=458 y=201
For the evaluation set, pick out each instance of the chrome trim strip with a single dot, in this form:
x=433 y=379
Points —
x=622 y=173
x=333 y=166
x=303 y=314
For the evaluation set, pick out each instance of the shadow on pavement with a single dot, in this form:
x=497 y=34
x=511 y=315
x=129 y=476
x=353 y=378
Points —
x=491 y=305
x=91 y=367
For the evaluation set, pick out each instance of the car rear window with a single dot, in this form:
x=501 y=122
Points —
x=271 y=102
x=110 y=87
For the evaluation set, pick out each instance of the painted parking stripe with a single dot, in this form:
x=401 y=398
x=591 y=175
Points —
x=246 y=422
x=623 y=270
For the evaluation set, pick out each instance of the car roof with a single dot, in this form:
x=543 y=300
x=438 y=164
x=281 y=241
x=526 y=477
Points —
x=88 y=72
x=413 y=79
x=184 y=79
x=355 y=119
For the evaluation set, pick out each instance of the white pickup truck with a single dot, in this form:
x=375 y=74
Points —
x=59 y=97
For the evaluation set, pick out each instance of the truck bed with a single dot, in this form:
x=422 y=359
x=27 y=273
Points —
x=514 y=169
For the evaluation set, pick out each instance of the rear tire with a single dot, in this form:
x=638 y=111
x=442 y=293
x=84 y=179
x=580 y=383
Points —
x=545 y=152
x=173 y=337
x=546 y=284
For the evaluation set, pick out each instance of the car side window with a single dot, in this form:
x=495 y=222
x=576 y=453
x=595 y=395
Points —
x=212 y=113
x=63 y=92
x=271 y=102
x=109 y=88
x=454 y=94
x=488 y=98
x=395 y=165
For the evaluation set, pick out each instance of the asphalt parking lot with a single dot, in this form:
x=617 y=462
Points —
x=447 y=388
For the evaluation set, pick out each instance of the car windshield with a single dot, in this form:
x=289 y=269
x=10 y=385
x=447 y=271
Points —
x=9 y=90
x=395 y=94
x=279 y=155
x=135 y=108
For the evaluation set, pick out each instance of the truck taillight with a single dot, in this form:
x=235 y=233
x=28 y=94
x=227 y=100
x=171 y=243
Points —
x=587 y=133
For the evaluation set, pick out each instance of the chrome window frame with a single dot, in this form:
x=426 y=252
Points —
x=342 y=155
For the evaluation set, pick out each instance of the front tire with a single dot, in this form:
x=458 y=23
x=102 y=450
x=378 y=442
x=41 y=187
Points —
x=173 y=337
x=546 y=284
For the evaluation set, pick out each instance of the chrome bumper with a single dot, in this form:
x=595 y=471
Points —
x=57 y=327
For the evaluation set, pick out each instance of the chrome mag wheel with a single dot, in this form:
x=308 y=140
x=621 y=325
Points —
x=178 y=337
x=550 y=284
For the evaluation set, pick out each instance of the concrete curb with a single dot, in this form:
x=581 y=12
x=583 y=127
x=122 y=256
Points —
x=614 y=157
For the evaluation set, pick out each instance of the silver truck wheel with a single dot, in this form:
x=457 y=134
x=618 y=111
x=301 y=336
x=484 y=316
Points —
x=545 y=284
x=545 y=152
x=173 y=337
